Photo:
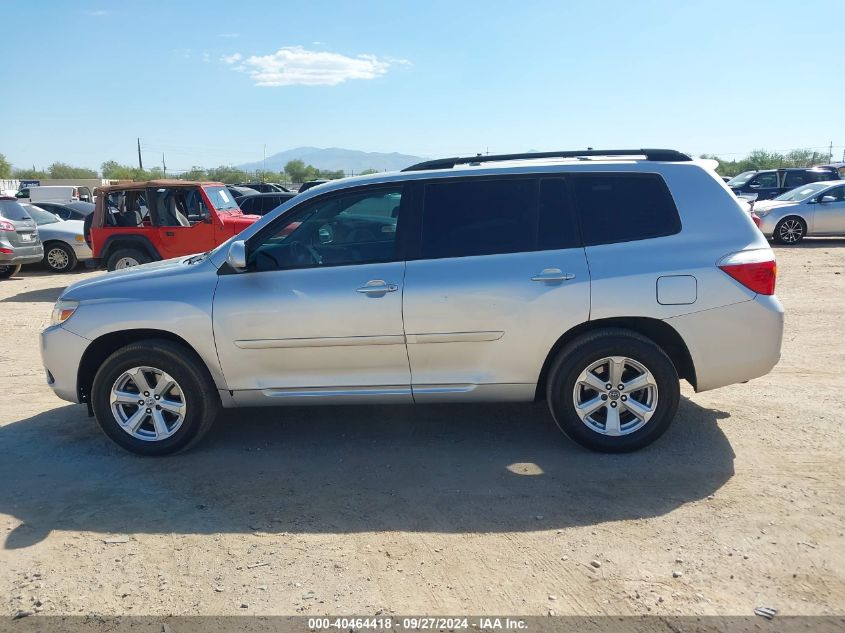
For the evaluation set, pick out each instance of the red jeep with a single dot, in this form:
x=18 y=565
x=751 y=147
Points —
x=140 y=222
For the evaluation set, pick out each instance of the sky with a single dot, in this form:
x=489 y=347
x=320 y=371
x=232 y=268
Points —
x=210 y=83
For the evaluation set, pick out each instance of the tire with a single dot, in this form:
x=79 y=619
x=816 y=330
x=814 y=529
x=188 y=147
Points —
x=126 y=258
x=790 y=230
x=9 y=270
x=59 y=257
x=193 y=393
x=582 y=360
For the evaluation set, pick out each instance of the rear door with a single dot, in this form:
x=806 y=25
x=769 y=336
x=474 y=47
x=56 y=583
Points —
x=498 y=274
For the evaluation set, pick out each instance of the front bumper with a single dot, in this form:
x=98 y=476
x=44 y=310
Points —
x=61 y=354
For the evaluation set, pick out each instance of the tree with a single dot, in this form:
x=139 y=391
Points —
x=5 y=168
x=195 y=173
x=298 y=171
x=30 y=174
x=63 y=170
x=113 y=170
x=763 y=159
x=227 y=174
x=367 y=172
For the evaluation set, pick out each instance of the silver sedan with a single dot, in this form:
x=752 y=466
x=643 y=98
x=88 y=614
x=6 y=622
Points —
x=814 y=209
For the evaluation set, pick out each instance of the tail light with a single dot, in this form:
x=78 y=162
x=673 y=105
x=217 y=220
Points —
x=6 y=251
x=756 y=219
x=7 y=226
x=754 y=269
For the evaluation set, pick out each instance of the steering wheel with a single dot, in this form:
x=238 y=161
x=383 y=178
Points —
x=295 y=247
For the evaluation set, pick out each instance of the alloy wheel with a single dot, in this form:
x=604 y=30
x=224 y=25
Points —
x=615 y=396
x=147 y=403
x=57 y=259
x=791 y=230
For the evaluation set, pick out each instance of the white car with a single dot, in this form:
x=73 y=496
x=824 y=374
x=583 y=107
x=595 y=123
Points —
x=814 y=209
x=64 y=240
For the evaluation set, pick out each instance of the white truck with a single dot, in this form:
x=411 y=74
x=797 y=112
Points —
x=52 y=193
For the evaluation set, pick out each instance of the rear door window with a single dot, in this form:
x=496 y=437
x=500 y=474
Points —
x=623 y=207
x=796 y=179
x=478 y=217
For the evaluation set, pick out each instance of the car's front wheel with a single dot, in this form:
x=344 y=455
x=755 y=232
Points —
x=613 y=391
x=59 y=257
x=9 y=270
x=790 y=230
x=154 y=398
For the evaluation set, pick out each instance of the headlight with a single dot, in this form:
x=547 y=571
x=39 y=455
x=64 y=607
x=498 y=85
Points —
x=762 y=212
x=79 y=238
x=63 y=310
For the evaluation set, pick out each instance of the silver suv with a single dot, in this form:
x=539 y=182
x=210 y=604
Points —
x=19 y=240
x=592 y=279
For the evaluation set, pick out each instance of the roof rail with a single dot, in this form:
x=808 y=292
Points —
x=665 y=155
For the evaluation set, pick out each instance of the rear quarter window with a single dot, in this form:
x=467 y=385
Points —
x=624 y=207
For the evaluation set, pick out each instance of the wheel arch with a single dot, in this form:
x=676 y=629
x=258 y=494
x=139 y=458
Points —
x=140 y=242
x=102 y=347
x=660 y=332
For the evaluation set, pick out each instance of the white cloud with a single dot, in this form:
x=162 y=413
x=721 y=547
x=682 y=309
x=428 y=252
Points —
x=295 y=65
x=231 y=59
x=229 y=35
x=206 y=57
x=97 y=12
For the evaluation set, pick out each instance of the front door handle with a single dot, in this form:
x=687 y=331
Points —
x=553 y=274
x=377 y=287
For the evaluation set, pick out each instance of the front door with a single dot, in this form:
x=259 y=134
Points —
x=765 y=185
x=182 y=220
x=498 y=277
x=829 y=217
x=318 y=312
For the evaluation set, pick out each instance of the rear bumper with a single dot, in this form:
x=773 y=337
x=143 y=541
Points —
x=733 y=343
x=26 y=255
x=61 y=352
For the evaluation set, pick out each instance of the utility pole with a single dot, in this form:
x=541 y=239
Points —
x=163 y=166
x=140 y=163
x=830 y=153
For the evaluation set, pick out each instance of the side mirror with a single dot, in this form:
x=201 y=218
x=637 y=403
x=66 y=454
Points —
x=755 y=185
x=237 y=256
x=827 y=199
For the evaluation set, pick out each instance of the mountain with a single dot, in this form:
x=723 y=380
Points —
x=334 y=158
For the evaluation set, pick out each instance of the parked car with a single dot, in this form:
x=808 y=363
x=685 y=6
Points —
x=263 y=203
x=815 y=209
x=305 y=186
x=264 y=187
x=49 y=193
x=19 y=240
x=240 y=192
x=69 y=210
x=592 y=279
x=64 y=244
x=770 y=183
x=142 y=222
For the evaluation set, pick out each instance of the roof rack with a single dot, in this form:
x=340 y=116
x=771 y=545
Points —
x=664 y=155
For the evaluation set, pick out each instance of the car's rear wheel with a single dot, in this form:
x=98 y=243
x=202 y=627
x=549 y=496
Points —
x=154 y=398
x=126 y=258
x=790 y=230
x=9 y=270
x=59 y=257
x=613 y=391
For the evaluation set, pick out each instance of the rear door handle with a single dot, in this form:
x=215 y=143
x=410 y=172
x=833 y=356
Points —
x=377 y=287
x=553 y=274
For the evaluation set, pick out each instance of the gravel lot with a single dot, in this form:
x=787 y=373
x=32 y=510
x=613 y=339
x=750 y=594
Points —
x=436 y=509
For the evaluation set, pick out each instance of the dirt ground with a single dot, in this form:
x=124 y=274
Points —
x=436 y=509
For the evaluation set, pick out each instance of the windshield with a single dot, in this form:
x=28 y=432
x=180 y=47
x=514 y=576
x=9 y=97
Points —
x=221 y=198
x=12 y=210
x=741 y=179
x=40 y=215
x=802 y=193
